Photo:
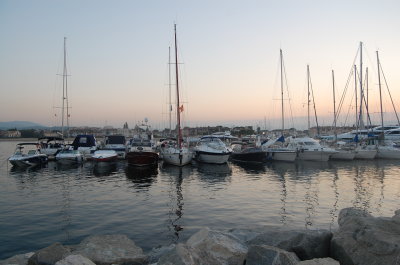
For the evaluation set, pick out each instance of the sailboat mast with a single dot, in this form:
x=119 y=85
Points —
x=380 y=88
x=64 y=89
x=308 y=98
x=355 y=91
x=169 y=86
x=334 y=105
x=283 y=117
x=178 y=111
x=361 y=119
x=66 y=83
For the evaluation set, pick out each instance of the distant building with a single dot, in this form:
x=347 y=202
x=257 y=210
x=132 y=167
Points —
x=10 y=134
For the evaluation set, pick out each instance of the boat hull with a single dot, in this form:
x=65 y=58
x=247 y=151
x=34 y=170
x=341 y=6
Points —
x=141 y=159
x=28 y=161
x=249 y=157
x=322 y=156
x=365 y=154
x=212 y=158
x=281 y=155
x=343 y=155
x=385 y=152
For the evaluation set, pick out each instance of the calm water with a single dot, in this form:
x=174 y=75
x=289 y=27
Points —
x=168 y=204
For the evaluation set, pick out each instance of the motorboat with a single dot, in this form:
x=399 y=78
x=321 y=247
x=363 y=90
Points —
x=310 y=149
x=105 y=156
x=86 y=144
x=210 y=149
x=116 y=143
x=141 y=153
x=27 y=155
x=69 y=156
x=277 y=152
x=50 y=145
x=247 y=153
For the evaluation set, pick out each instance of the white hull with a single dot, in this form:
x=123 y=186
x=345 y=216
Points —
x=175 y=157
x=216 y=158
x=314 y=155
x=388 y=152
x=280 y=155
x=343 y=155
x=365 y=154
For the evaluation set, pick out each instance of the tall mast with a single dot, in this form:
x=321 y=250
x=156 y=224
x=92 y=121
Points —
x=178 y=110
x=308 y=98
x=355 y=91
x=169 y=86
x=64 y=86
x=380 y=89
x=334 y=105
x=361 y=119
x=283 y=117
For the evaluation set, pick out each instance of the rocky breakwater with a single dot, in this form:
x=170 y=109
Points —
x=360 y=239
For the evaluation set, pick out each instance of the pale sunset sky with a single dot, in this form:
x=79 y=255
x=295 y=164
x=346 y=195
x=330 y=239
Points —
x=117 y=57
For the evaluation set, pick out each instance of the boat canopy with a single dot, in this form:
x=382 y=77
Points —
x=84 y=140
x=115 y=139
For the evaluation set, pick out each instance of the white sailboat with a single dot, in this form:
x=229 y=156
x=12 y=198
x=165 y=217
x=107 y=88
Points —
x=385 y=149
x=174 y=152
x=274 y=147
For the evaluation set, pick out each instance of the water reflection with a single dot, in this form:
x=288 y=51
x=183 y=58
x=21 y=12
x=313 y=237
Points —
x=142 y=177
x=104 y=169
x=251 y=168
x=176 y=175
x=213 y=173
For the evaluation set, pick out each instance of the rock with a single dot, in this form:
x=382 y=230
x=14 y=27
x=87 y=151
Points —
x=268 y=255
x=49 y=255
x=110 y=249
x=155 y=254
x=207 y=247
x=324 y=261
x=21 y=259
x=364 y=239
x=75 y=260
x=307 y=244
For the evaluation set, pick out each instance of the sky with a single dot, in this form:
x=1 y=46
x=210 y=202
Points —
x=228 y=52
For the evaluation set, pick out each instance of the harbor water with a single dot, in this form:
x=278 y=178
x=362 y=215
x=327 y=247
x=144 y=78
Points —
x=167 y=204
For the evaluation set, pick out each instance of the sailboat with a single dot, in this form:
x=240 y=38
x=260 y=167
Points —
x=174 y=152
x=344 y=152
x=385 y=150
x=274 y=147
x=307 y=147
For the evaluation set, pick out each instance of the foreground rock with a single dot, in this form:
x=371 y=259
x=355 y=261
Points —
x=364 y=239
x=75 y=260
x=270 y=255
x=49 y=255
x=307 y=244
x=21 y=259
x=207 y=247
x=110 y=249
x=324 y=261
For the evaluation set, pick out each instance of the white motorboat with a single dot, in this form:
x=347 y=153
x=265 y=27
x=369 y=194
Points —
x=210 y=149
x=105 y=156
x=116 y=143
x=27 y=155
x=86 y=144
x=309 y=149
x=50 y=145
x=69 y=157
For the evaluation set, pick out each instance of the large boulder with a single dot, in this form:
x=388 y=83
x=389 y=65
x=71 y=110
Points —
x=324 y=261
x=307 y=244
x=49 y=255
x=207 y=247
x=110 y=249
x=268 y=255
x=75 y=260
x=364 y=239
x=21 y=259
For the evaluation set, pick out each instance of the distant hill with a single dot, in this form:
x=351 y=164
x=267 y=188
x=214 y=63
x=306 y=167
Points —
x=5 y=125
